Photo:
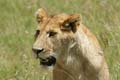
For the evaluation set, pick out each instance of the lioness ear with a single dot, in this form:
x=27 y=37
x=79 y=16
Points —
x=72 y=23
x=41 y=15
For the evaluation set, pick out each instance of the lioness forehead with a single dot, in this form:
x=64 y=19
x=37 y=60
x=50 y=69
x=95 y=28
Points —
x=53 y=21
x=58 y=19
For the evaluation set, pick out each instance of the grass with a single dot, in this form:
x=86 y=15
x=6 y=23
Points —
x=17 y=27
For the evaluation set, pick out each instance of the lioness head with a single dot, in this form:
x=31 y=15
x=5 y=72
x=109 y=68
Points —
x=54 y=35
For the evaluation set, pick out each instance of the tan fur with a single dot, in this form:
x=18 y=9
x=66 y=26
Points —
x=78 y=53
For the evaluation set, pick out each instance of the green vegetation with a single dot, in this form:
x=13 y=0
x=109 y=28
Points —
x=17 y=27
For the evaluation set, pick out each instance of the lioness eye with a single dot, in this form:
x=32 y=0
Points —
x=51 y=33
x=37 y=33
x=66 y=25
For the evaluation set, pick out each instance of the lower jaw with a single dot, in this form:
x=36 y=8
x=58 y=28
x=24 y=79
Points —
x=49 y=61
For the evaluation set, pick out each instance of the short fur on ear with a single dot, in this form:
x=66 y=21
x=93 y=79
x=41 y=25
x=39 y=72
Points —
x=71 y=23
x=41 y=15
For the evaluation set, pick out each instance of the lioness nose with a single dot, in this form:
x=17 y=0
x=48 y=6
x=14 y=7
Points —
x=37 y=50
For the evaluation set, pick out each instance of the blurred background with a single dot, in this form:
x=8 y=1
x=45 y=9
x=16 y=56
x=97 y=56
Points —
x=18 y=25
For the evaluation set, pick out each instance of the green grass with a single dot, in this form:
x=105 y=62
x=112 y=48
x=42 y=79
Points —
x=17 y=27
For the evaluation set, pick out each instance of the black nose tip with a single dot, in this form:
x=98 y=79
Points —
x=37 y=51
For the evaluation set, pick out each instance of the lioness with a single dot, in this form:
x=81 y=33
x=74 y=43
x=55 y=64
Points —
x=62 y=41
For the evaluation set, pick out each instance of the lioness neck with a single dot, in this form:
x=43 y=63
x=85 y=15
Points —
x=84 y=59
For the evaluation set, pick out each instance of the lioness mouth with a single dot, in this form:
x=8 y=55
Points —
x=49 y=61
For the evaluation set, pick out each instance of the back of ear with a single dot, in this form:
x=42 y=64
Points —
x=41 y=15
x=72 y=23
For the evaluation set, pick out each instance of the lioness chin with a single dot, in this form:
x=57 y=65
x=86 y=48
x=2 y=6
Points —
x=62 y=41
